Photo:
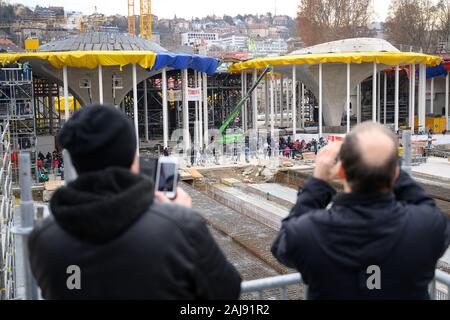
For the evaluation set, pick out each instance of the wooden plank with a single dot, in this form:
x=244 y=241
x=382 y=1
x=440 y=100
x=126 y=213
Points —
x=194 y=173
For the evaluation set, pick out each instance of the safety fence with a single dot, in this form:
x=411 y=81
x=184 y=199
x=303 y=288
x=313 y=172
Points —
x=439 y=288
x=7 y=239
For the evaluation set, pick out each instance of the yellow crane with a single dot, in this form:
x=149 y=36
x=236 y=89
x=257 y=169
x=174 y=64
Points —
x=145 y=21
x=131 y=18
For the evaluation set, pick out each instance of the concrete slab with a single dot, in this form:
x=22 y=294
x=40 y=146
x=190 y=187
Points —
x=277 y=190
x=230 y=182
x=254 y=207
x=437 y=167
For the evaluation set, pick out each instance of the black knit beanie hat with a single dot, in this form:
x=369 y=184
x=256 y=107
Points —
x=98 y=137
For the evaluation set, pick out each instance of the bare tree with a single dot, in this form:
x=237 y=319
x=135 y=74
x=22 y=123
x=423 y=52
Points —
x=444 y=25
x=415 y=23
x=327 y=20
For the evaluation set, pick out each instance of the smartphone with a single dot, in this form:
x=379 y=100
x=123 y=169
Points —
x=148 y=167
x=167 y=176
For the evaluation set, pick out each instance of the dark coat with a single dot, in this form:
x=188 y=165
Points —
x=403 y=233
x=126 y=246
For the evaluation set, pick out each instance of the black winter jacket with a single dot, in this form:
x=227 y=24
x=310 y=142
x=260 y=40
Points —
x=126 y=246
x=334 y=245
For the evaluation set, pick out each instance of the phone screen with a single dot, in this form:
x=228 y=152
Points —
x=167 y=177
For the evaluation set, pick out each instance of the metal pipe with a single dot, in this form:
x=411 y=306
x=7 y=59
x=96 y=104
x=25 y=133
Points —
x=422 y=95
x=397 y=103
x=320 y=100
x=413 y=98
x=270 y=283
x=186 y=134
x=66 y=94
x=255 y=101
x=447 y=83
x=145 y=111
x=281 y=108
x=410 y=96
x=374 y=93
x=385 y=99
x=348 y=98
x=27 y=222
x=272 y=106
x=303 y=105
x=294 y=102
x=358 y=103
x=100 y=83
x=243 y=93
x=196 y=131
x=165 y=109
x=432 y=96
x=205 y=108
x=200 y=109
x=267 y=105
x=379 y=97
x=135 y=104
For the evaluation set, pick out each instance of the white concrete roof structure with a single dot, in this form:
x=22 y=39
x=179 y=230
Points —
x=349 y=45
x=341 y=66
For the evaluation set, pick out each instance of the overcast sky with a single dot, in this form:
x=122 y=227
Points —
x=192 y=8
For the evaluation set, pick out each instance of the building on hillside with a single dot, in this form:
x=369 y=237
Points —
x=270 y=47
x=281 y=21
x=233 y=43
x=258 y=31
x=197 y=38
x=295 y=44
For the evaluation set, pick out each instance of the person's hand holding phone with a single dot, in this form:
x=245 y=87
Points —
x=182 y=198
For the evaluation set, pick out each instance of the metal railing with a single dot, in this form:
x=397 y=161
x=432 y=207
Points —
x=7 y=240
x=280 y=282
x=439 y=288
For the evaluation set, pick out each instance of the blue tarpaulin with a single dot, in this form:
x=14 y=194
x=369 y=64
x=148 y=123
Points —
x=437 y=71
x=186 y=61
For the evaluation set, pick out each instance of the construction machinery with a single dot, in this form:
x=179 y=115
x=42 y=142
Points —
x=131 y=18
x=238 y=109
x=145 y=19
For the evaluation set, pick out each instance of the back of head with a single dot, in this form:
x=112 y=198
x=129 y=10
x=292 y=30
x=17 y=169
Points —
x=98 y=137
x=369 y=157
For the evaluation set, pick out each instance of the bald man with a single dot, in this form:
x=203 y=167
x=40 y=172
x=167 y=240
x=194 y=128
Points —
x=379 y=239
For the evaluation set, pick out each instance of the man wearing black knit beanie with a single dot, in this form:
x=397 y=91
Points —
x=121 y=240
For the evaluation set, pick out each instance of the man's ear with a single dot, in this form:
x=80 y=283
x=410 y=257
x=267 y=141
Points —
x=397 y=173
x=341 y=172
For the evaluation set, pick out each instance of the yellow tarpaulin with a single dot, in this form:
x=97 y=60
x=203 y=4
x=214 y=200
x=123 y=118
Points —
x=63 y=105
x=386 y=58
x=85 y=59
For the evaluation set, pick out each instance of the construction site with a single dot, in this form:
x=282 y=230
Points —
x=246 y=139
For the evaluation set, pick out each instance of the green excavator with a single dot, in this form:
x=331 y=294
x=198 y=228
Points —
x=232 y=138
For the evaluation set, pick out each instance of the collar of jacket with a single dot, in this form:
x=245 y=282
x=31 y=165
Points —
x=352 y=199
x=99 y=206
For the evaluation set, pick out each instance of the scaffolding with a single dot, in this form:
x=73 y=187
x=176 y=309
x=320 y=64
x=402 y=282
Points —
x=47 y=102
x=17 y=108
x=7 y=240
